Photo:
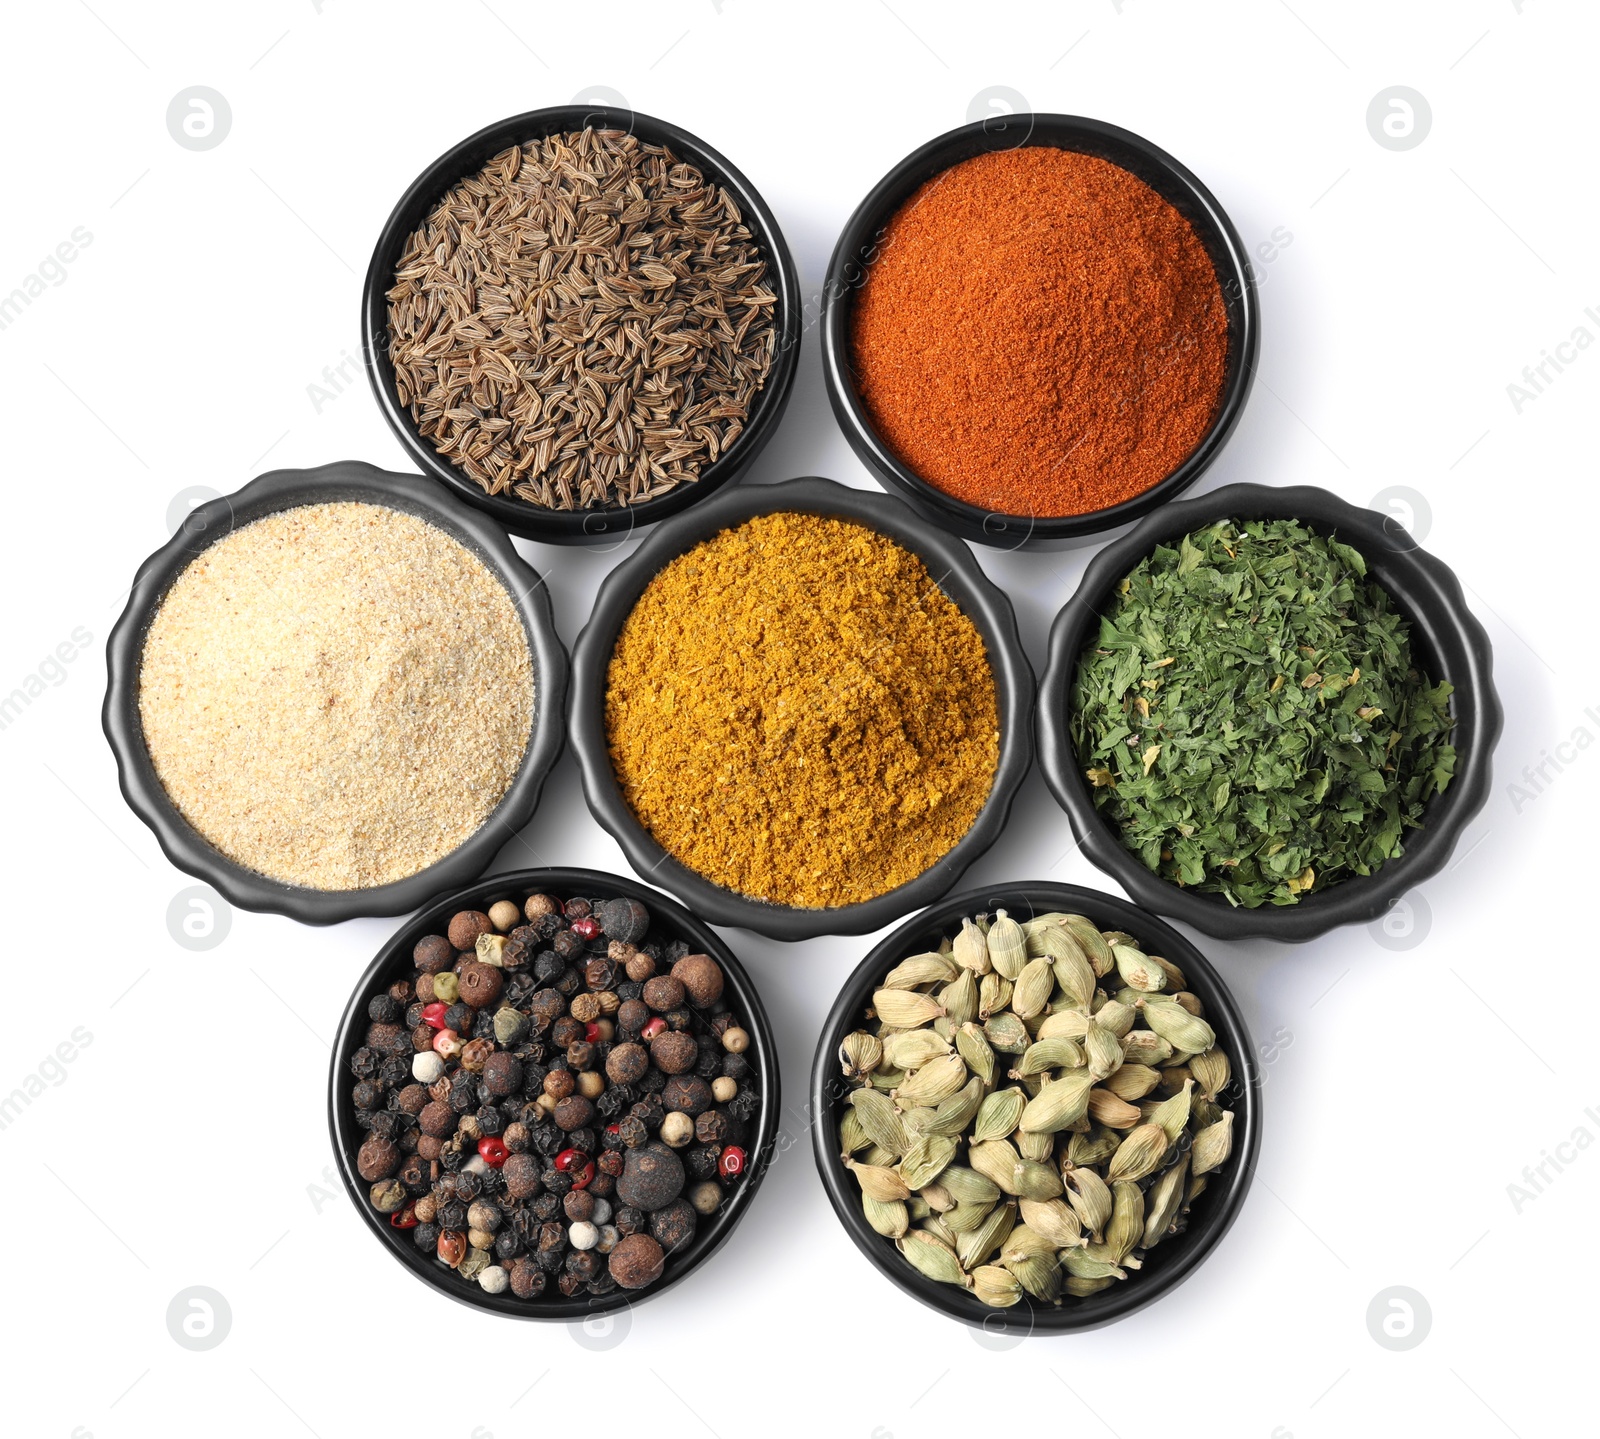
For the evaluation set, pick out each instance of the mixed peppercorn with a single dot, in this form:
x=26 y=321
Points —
x=555 y=1098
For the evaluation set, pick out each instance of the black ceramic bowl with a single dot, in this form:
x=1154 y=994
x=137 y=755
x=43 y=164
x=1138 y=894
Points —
x=857 y=250
x=282 y=490
x=595 y=526
x=956 y=572
x=1446 y=637
x=394 y=962
x=1170 y=1262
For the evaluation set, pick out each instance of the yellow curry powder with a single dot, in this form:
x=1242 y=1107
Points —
x=796 y=711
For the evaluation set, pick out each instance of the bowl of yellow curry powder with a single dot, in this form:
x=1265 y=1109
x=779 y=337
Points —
x=801 y=708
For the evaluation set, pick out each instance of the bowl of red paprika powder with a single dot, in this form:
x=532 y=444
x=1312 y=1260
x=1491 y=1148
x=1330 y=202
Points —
x=1039 y=328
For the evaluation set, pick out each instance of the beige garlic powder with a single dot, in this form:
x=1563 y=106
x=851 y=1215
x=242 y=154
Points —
x=337 y=695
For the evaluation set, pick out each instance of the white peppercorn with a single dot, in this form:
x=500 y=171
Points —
x=426 y=1067
x=583 y=1235
x=504 y=916
x=494 y=1279
x=706 y=1197
x=602 y=1212
x=609 y=1238
x=723 y=1089
x=677 y=1130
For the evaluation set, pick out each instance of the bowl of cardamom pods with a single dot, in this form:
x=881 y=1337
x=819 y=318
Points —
x=1037 y=1109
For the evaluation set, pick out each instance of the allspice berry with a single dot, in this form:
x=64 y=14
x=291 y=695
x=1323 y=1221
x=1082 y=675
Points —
x=573 y=1112
x=627 y=1063
x=663 y=993
x=378 y=1158
x=559 y=1083
x=651 y=1178
x=673 y=1225
x=432 y=954
x=437 y=1119
x=632 y=1016
x=521 y=1175
x=624 y=920
x=466 y=926
x=635 y=1262
x=701 y=978
x=539 y=905
x=686 y=1094
x=674 y=1052
x=502 y=1074
x=480 y=984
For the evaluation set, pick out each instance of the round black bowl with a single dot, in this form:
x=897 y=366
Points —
x=394 y=962
x=857 y=250
x=593 y=526
x=1170 y=1262
x=956 y=572
x=283 y=490
x=1448 y=640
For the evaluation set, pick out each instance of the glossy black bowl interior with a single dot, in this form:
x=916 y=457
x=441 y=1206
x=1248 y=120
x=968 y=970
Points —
x=394 y=962
x=283 y=490
x=956 y=572
x=858 y=248
x=594 y=526
x=1447 y=639
x=1170 y=1262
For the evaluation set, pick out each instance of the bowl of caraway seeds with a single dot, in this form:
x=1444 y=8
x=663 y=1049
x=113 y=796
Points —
x=1038 y=328
x=335 y=692
x=1036 y=1108
x=801 y=708
x=553 y=1094
x=1267 y=712
x=581 y=320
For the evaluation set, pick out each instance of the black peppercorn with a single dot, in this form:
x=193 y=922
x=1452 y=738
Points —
x=384 y=1122
x=452 y=1215
x=623 y=920
x=507 y=1245
x=415 y=1175
x=602 y=1283
x=490 y=1120
x=459 y=1017
x=395 y=1072
x=584 y=1139
x=744 y=1105
x=599 y=973
x=469 y=1185
x=611 y=1163
x=565 y=1031
x=366 y=1094
x=552 y=1237
x=383 y=1009
x=584 y=1263
x=708 y=1065
x=549 y=1260
x=700 y=1161
x=556 y=1181
x=567 y=945
x=426 y=1236
x=632 y=1131
x=629 y=989
x=673 y=1224
x=711 y=1127
x=628 y=1220
x=365 y=1063
x=737 y=1066
x=580 y=1055
x=548 y=1140
x=613 y=1101
x=575 y=909
x=452 y=1159
x=546 y=1206
x=547 y=966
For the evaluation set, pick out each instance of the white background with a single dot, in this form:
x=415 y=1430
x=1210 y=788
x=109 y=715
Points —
x=1407 y=1087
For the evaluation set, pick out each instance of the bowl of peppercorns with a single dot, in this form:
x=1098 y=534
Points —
x=553 y=1094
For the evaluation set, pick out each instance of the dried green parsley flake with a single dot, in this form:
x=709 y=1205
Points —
x=1251 y=718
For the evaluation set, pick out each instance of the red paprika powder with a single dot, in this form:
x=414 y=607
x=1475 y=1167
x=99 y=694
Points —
x=1042 y=334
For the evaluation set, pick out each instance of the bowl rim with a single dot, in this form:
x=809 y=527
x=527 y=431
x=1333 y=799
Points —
x=1411 y=575
x=947 y=558
x=394 y=955
x=866 y=225
x=466 y=157
x=271 y=493
x=1232 y=1184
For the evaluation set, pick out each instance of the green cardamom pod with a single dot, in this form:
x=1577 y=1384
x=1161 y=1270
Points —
x=1033 y=988
x=971 y=949
x=1057 y=1053
x=1065 y=1024
x=935 y=1197
x=1035 y=1146
x=1132 y=1081
x=1126 y=1228
x=930 y=1257
x=1212 y=1145
x=1211 y=1071
x=1105 y=1108
x=1040 y=1275
x=998 y=1115
x=1163 y=1201
x=1090 y=1197
x=917 y=1208
x=968 y=1186
x=936 y=1080
x=1116 y=1016
x=1007 y=1033
x=1179 y=1028
x=888 y=1217
x=905 y=1008
x=1083 y=1288
x=1055 y=1219
x=1094 y=943
x=851 y=1135
x=1175 y=979
x=935 y=1225
x=1190 y=1001
x=1102 y=1050
x=1059 y=1104
x=978 y=1244
x=1007 y=945
x=920 y=969
x=1204 y=1112
x=960 y=997
x=975 y=1049
x=1145 y=1046
x=1173 y=1114
x=886 y=1079
x=926 y=1160
x=1074 y=973
x=1138 y=1154
x=878 y=1182
x=996 y=1160
x=996 y=1287
x=859 y=1054
x=1033 y=1180
x=881 y=1120
x=916 y=1121
x=964 y=1218
x=1095 y=1147
x=912 y=1048
x=1080 y=1264
x=955 y=1113
x=994 y=994
x=1138 y=970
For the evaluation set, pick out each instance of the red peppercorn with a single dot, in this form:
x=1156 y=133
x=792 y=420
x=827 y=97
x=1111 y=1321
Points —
x=405 y=1218
x=568 y=1158
x=653 y=1028
x=731 y=1163
x=433 y=1015
x=578 y=1164
x=592 y=1032
x=493 y=1151
x=583 y=1178
x=586 y=928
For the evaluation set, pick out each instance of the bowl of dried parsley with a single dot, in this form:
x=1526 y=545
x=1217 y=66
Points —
x=801 y=708
x=581 y=320
x=1268 y=712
